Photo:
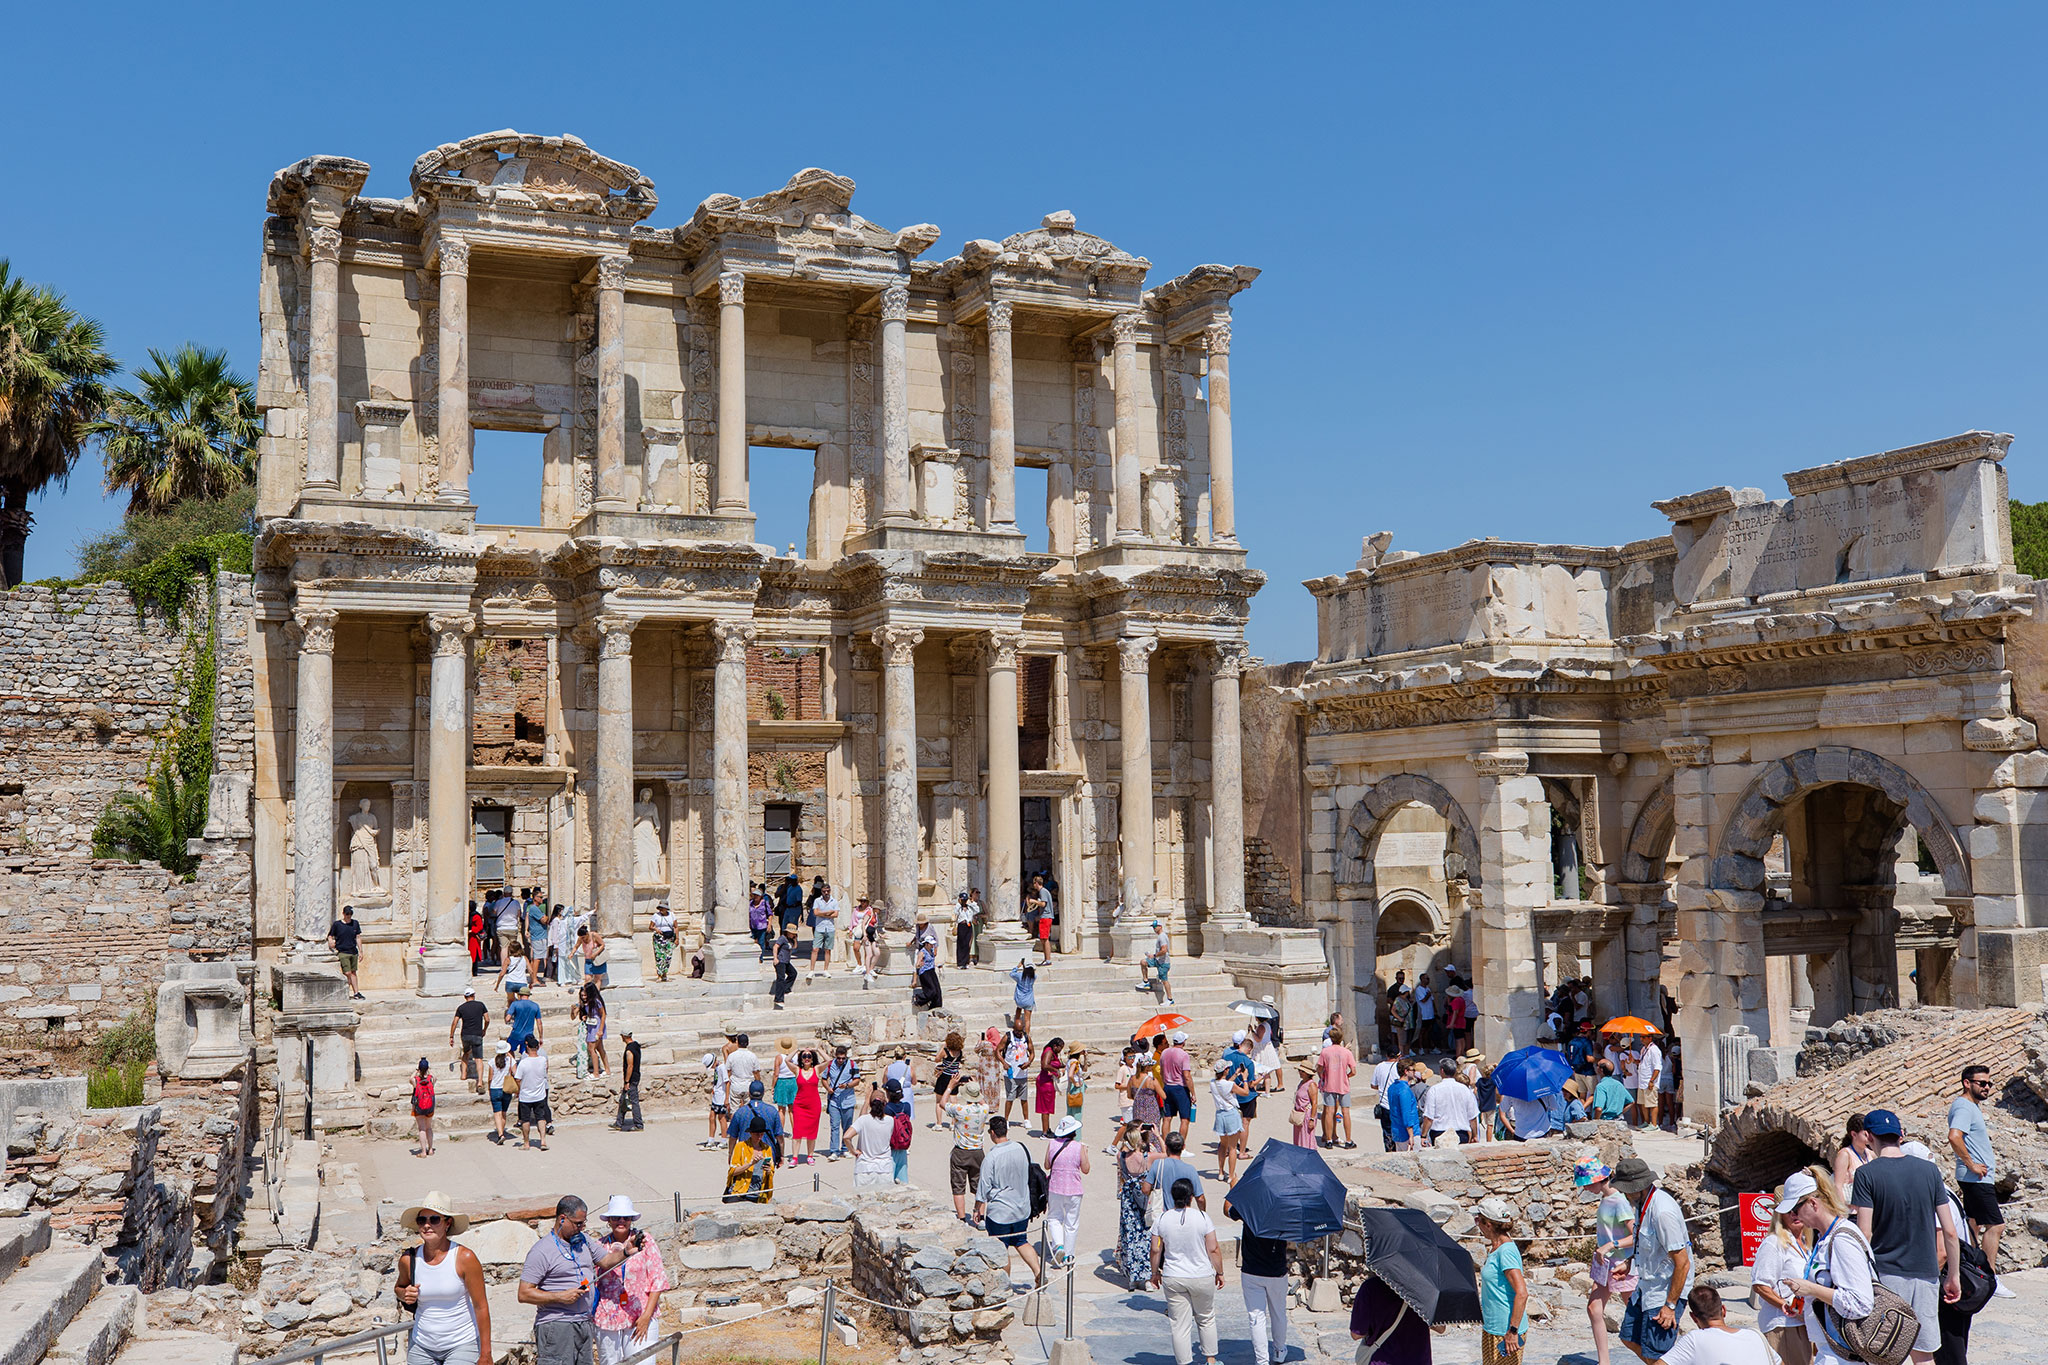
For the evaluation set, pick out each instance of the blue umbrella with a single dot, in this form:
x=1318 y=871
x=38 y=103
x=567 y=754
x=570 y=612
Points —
x=1289 y=1194
x=1533 y=1073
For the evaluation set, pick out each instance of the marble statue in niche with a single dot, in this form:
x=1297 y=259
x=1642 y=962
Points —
x=365 y=866
x=647 y=860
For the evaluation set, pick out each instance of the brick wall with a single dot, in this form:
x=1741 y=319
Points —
x=509 y=720
x=796 y=677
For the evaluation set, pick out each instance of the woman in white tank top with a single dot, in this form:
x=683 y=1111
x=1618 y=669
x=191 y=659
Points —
x=444 y=1286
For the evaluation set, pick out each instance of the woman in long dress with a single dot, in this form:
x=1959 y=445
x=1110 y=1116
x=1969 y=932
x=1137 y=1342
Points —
x=1046 y=1092
x=1134 y=1240
x=806 y=1109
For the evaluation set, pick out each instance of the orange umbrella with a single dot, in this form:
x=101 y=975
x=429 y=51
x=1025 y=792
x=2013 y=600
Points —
x=1161 y=1023
x=1628 y=1023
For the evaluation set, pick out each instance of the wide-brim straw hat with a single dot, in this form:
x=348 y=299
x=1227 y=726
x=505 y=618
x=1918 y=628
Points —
x=434 y=1201
x=785 y=1044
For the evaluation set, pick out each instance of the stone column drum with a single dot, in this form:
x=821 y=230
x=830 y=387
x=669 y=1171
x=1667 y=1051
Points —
x=323 y=365
x=1222 y=489
x=611 y=386
x=1226 y=790
x=732 y=956
x=732 y=393
x=1130 y=493
x=444 y=967
x=895 y=405
x=612 y=814
x=899 y=770
x=453 y=383
x=313 y=788
x=1002 y=421
x=1514 y=854
x=1134 y=809
x=1005 y=799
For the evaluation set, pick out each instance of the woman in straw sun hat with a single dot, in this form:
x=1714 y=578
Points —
x=629 y=1294
x=443 y=1285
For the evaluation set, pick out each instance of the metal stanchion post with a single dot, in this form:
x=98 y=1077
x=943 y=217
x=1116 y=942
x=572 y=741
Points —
x=825 y=1327
x=679 y=1208
x=1070 y=1303
x=382 y=1357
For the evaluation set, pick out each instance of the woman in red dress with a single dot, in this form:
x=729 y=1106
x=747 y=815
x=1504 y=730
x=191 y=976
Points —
x=1050 y=1069
x=808 y=1105
x=476 y=937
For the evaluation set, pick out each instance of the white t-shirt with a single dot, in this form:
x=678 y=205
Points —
x=1712 y=1346
x=1223 y=1092
x=1184 y=1238
x=1425 y=1008
x=1383 y=1077
x=533 y=1078
x=873 y=1133
x=741 y=1068
x=1776 y=1261
x=1649 y=1068
x=1449 y=1106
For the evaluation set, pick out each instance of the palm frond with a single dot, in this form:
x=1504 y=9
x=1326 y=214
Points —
x=188 y=429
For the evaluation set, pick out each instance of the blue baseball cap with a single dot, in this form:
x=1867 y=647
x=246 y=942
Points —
x=1883 y=1123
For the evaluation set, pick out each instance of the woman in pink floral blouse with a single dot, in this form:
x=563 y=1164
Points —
x=628 y=1295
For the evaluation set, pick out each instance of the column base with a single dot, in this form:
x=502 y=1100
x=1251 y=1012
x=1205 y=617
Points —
x=1131 y=939
x=444 y=970
x=732 y=957
x=1002 y=944
x=622 y=961
x=313 y=953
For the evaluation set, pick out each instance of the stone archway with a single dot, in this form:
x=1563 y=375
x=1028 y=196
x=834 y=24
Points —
x=1648 y=855
x=1354 y=839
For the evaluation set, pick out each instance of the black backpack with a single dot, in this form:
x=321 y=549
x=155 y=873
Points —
x=1041 y=1189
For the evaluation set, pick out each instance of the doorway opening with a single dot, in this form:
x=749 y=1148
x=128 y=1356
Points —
x=505 y=480
x=489 y=828
x=778 y=829
x=1034 y=712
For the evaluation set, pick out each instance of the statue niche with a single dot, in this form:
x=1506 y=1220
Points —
x=650 y=864
x=365 y=849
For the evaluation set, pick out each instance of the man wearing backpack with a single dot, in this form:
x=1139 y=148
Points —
x=1899 y=1204
x=1003 y=1195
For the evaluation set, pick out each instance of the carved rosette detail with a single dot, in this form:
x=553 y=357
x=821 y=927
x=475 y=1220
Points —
x=896 y=303
x=1500 y=762
x=1000 y=314
x=1124 y=326
x=1002 y=649
x=732 y=289
x=326 y=244
x=1134 y=653
x=1217 y=334
x=614 y=637
x=450 y=634
x=1727 y=678
x=732 y=639
x=316 y=630
x=898 y=644
x=454 y=256
x=611 y=272
x=1689 y=751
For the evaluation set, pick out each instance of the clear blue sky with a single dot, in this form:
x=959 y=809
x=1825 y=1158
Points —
x=1526 y=267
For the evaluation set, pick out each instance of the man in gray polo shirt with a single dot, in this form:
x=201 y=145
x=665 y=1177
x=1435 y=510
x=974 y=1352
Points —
x=559 y=1278
x=1002 y=1194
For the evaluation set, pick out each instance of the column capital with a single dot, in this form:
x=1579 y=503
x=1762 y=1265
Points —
x=897 y=644
x=316 y=629
x=1124 y=326
x=1689 y=751
x=732 y=288
x=450 y=633
x=611 y=272
x=325 y=244
x=732 y=639
x=1500 y=762
x=1002 y=647
x=1231 y=658
x=1134 y=652
x=1217 y=334
x=896 y=303
x=454 y=256
x=614 y=636
x=1000 y=314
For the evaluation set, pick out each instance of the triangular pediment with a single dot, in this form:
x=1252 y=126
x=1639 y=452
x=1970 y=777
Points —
x=556 y=173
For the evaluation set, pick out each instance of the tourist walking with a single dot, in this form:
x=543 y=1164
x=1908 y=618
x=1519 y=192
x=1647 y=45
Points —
x=785 y=962
x=1225 y=1089
x=785 y=1078
x=1712 y=1341
x=806 y=1109
x=471 y=1022
x=1265 y=1050
x=874 y=1165
x=1402 y=1009
x=558 y=1279
x=1503 y=1293
x=1148 y=1096
x=1187 y=1263
x=842 y=1090
x=503 y=1087
x=1780 y=1258
x=1159 y=964
x=344 y=936
x=1404 y=1112
x=966 y=922
x=1304 y=1117
x=1262 y=1278
x=1177 y=1079
x=1166 y=1169
x=1395 y=1333
x=1336 y=1065
x=862 y=929
x=1663 y=1258
x=1857 y=1147
x=1449 y=1107
x=789 y=901
x=1613 y=1266
x=629 y=1294
x=1969 y=1137
x=443 y=1284
x=1066 y=1162
x=1135 y=1155
x=423 y=1107
x=1002 y=1195
x=532 y=1076
x=946 y=1071
x=1899 y=1203
x=1839 y=1273
x=924 y=958
x=1046 y=1090
x=1024 y=992
x=963 y=1111
x=592 y=1015
x=662 y=925
x=563 y=968
x=902 y=1118
x=757 y=922
x=1015 y=1051
x=629 y=1084
x=824 y=928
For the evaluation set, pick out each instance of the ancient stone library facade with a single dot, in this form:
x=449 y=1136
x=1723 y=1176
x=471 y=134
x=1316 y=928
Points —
x=630 y=701
x=1778 y=762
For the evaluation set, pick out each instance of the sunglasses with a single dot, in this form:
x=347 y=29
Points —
x=430 y=1219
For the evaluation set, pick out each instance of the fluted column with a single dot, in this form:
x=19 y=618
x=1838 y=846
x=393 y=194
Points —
x=611 y=385
x=445 y=964
x=1134 y=810
x=895 y=404
x=899 y=770
x=1226 y=788
x=1002 y=420
x=1005 y=819
x=613 y=812
x=1222 y=492
x=1130 y=497
x=732 y=393
x=453 y=382
x=323 y=365
x=729 y=775
x=313 y=787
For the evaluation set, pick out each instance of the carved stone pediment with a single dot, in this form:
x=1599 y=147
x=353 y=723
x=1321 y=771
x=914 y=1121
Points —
x=519 y=170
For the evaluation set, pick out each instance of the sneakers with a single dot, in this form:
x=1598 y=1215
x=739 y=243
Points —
x=1999 y=1291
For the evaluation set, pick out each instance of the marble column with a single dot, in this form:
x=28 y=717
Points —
x=323 y=365
x=1002 y=420
x=729 y=776
x=1134 y=809
x=899 y=771
x=313 y=788
x=453 y=381
x=445 y=964
x=732 y=393
x=1226 y=789
x=1130 y=492
x=611 y=385
x=612 y=812
x=895 y=405
x=1514 y=882
x=1005 y=798
x=1222 y=491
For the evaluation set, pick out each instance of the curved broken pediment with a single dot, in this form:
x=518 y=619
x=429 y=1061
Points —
x=557 y=173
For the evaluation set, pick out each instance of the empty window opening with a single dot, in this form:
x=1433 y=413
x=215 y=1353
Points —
x=509 y=716
x=505 y=477
x=1032 y=510
x=489 y=826
x=779 y=483
x=1034 y=712
x=778 y=828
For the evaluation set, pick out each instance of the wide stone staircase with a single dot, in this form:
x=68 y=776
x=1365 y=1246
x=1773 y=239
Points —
x=1081 y=999
x=55 y=1306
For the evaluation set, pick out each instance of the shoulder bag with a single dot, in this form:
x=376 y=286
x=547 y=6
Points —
x=1884 y=1335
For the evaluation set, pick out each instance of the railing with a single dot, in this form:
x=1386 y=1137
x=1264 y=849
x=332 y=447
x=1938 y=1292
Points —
x=381 y=1335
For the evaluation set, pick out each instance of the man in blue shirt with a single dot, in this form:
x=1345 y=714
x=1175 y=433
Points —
x=522 y=1017
x=743 y=1120
x=1170 y=1168
x=1241 y=1070
x=1404 y=1118
x=537 y=922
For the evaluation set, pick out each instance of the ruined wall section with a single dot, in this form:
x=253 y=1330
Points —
x=1272 y=746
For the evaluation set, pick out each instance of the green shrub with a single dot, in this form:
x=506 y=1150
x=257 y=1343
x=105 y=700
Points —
x=2030 y=538
x=144 y=536
x=131 y=1040
x=114 y=1087
x=155 y=824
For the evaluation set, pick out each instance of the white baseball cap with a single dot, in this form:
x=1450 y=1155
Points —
x=1799 y=1186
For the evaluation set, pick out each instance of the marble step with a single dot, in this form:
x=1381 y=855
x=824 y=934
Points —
x=179 y=1348
x=100 y=1330
x=21 y=1238
x=39 y=1300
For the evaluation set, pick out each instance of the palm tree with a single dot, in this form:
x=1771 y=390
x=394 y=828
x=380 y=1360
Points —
x=52 y=371
x=187 y=431
x=156 y=825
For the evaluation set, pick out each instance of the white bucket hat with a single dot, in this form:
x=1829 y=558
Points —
x=1066 y=1127
x=620 y=1207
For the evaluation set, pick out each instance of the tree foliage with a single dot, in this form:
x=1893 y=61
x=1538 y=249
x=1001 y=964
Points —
x=186 y=431
x=2030 y=538
x=53 y=372
x=154 y=824
x=145 y=536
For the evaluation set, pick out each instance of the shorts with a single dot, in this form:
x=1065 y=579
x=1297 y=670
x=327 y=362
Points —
x=1248 y=1107
x=1228 y=1120
x=1924 y=1298
x=1009 y=1234
x=825 y=935
x=1013 y=1087
x=597 y=969
x=1647 y=1097
x=1980 y=1203
x=1639 y=1325
x=785 y=1091
x=1336 y=1099
x=472 y=1048
x=720 y=1110
x=348 y=960
x=563 y=1341
x=964 y=1167
x=533 y=1111
x=1045 y=929
x=1179 y=1104
x=500 y=1101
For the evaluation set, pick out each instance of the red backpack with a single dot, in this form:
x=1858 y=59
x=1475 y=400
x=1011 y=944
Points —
x=423 y=1092
x=899 y=1134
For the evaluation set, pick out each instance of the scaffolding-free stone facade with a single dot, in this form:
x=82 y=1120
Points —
x=1756 y=761
x=574 y=705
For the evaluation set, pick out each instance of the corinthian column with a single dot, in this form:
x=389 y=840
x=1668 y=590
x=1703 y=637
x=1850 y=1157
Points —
x=611 y=385
x=899 y=770
x=1226 y=788
x=453 y=382
x=732 y=955
x=445 y=964
x=1222 y=494
x=1005 y=830
x=732 y=393
x=895 y=404
x=1130 y=498
x=1002 y=421
x=613 y=812
x=1134 y=810
x=323 y=364
x=313 y=788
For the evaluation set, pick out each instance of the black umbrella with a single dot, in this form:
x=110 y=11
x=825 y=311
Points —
x=1411 y=1255
x=1289 y=1194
